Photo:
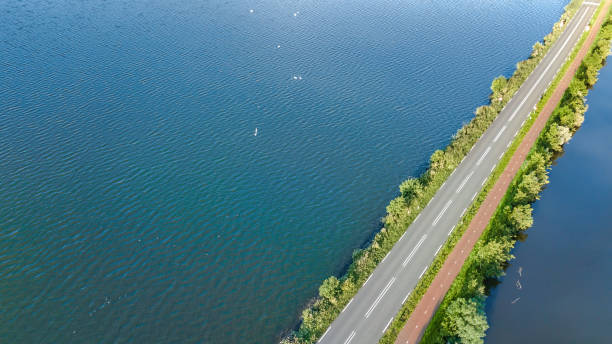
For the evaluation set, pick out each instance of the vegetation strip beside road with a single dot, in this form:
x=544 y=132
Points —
x=403 y=315
x=334 y=293
x=460 y=317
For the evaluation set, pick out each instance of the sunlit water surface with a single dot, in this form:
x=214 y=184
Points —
x=136 y=203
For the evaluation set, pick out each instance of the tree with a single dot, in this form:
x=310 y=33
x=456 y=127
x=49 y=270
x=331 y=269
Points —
x=329 y=290
x=492 y=255
x=411 y=189
x=537 y=50
x=528 y=189
x=553 y=138
x=520 y=217
x=395 y=210
x=436 y=162
x=465 y=321
x=567 y=117
x=499 y=86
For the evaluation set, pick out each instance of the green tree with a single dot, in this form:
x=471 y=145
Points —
x=528 y=189
x=396 y=210
x=520 y=217
x=411 y=189
x=553 y=138
x=436 y=162
x=491 y=257
x=329 y=290
x=567 y=117
x=465 y=321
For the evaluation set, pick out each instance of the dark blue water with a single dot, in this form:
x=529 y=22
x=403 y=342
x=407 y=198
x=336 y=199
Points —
x=136 y=204
x=564 y=289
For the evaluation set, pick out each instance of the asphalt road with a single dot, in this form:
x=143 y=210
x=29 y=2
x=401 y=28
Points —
x=369 y=313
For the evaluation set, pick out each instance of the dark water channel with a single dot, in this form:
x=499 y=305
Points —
x=559 y=287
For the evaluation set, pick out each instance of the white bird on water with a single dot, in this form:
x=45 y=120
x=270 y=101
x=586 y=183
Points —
x=255 y=134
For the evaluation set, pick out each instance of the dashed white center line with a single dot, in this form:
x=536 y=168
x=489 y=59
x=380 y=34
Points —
x=536 y=84
x=380 y=296
x=463 y=182
x=483 y=155
x=499 y=134
x=389 y=323
x=442 y=212
x=323 y=336
x=414 y=251
x=350 y=337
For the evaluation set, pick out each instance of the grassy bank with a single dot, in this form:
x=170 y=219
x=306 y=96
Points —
x=415 y=193
x=460 y=318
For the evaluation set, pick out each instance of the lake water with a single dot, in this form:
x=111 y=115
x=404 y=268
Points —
x=565 y=293
x=136 y=203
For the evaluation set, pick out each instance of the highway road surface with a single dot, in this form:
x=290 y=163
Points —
x=369 y=313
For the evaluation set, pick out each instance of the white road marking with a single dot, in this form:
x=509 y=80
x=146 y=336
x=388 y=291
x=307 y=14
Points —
x=406 y=297
x=366 y=282
x=385 y=257
x=499 y=134
x=414 y=250
x=483 y=155
x=350 y=337
x=474 y=195
x=417 y=217
x=492 y=168
x=438 y=250
x=547 y=68
x=442 y=212
x=463 y=212
x=421 y=275
x=380 y=296
x=523 y=122
x=389 y=323
x=590 y=3
x=345 y=307
x=463 y=182
x=320 y=339
x=501 y=155
x=451 y=230
x=483 y=182
x=402 y=237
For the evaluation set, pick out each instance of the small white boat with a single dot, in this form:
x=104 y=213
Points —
x=255 y=134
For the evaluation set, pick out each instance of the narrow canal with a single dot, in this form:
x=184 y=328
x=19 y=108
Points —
x=559 y=287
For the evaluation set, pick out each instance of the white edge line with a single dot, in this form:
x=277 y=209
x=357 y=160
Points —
x=438 y=250
x=320 y=339
x=345 y=307
x=382 y=261
x=406 y=297
x=389 y=323
x=366 y=282
x=421 y=275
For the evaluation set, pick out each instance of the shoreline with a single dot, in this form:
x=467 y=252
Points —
x=538 y=153
x=336 y=293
